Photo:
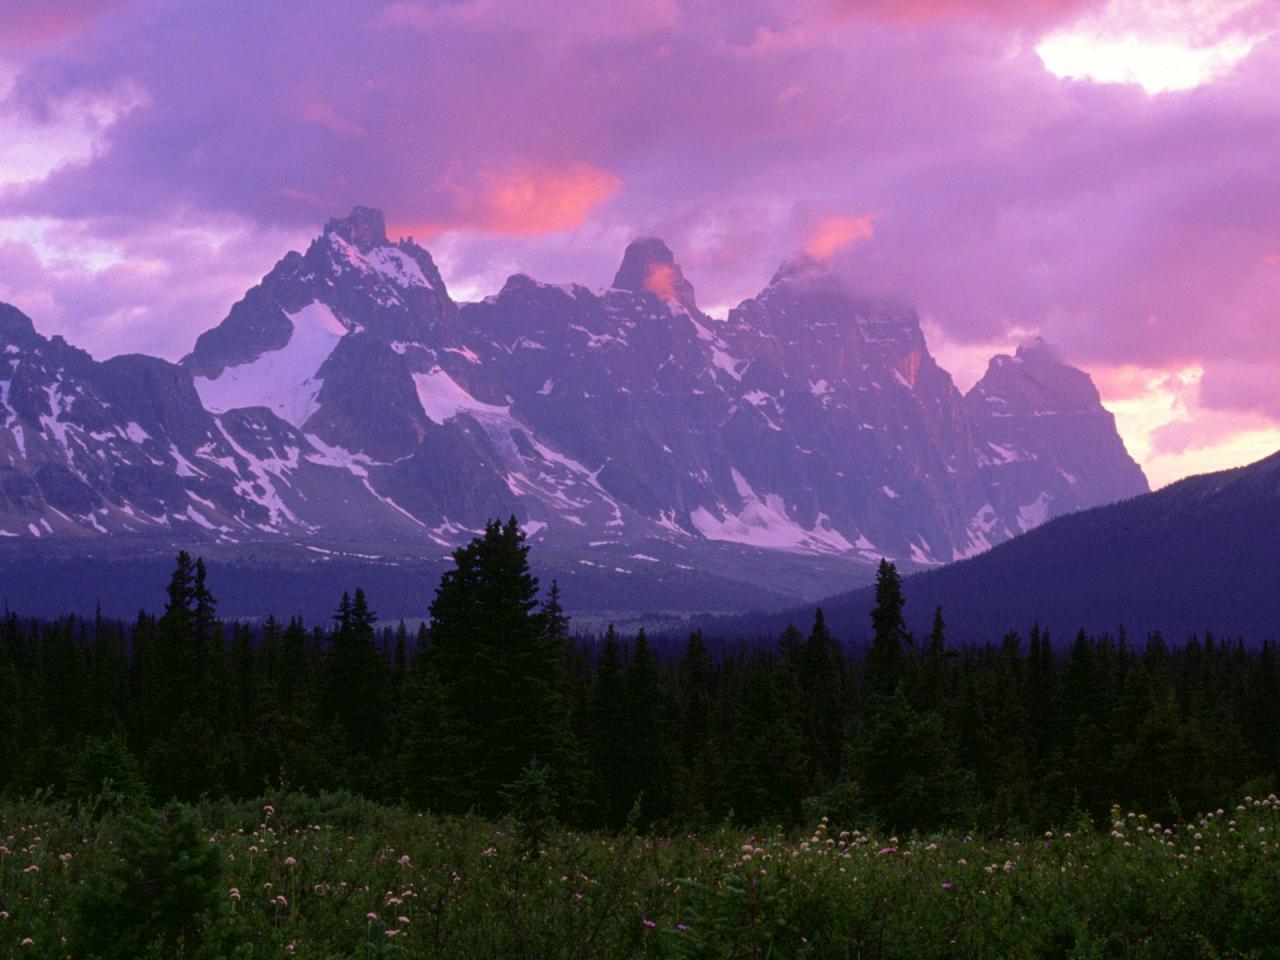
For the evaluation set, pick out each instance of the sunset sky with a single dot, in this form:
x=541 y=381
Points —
x=1104 y=174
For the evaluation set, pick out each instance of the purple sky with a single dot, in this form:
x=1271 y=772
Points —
x=1105 y=173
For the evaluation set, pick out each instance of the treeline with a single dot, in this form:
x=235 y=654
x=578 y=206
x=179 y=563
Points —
x=494 y=703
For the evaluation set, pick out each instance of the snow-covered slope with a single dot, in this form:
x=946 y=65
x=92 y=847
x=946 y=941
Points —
x=285 y=381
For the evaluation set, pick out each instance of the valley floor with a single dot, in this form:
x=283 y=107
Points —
x=341 y=877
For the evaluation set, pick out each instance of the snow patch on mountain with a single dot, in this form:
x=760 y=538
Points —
x=443 y=398
x=764 y=522
x=390 y=263
x=1034 y=513
x=282 y=380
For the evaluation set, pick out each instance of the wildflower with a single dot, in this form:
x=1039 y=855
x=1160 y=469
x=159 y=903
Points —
x=234 y=894
x=649 y=923
x=393 y=933
x=404 y=861
x=946 y=886
x=280 y=901
x=682 y=927
x=371 y=915
x=32 y=869
x=887 y=850
x=64 y=857
x=27 y=942
x=269 y=810
x=402 y=920
x=289 y=861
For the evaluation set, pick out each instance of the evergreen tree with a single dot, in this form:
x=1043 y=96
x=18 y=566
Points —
x=823 y=713
x=608 y=734
x=500 y=672
x=357 y=694
x=885 y=666
x=647 y=771
x=907 y=773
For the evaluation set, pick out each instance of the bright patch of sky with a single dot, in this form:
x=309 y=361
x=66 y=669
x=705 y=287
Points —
x=50 y=240
x=1163 y=46
x=1172 y=436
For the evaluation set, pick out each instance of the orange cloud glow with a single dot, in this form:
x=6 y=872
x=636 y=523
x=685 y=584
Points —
x=548 y=201
x=661 y=281
x=523 y=203
x=836 y=233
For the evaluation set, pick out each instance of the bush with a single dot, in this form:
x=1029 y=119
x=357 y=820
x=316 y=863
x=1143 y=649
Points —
x=106 y=770
x=158 y=896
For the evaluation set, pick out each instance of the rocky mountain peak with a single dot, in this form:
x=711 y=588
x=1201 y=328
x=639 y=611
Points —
x=365 y=228
x=15 y=326
x=1036 y=378
x=649 y=266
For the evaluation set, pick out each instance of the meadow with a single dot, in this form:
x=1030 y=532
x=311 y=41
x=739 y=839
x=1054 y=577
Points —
x=337 y=876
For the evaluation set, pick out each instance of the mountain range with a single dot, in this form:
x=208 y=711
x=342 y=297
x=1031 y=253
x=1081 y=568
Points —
x=1198 y=557
x=348 y=408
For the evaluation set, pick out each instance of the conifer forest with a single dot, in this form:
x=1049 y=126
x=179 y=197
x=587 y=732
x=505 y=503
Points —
x=182 y=786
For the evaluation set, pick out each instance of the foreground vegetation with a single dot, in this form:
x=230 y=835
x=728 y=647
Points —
x=342 y=877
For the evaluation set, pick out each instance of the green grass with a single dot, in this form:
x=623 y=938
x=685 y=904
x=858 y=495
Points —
x=338 y=877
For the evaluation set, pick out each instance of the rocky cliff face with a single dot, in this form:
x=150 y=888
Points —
x=348 y=399
x=1045 y=445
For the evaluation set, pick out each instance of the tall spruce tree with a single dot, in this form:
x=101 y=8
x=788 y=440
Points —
x=608 y=732
x=886 y=660
x=499 y=671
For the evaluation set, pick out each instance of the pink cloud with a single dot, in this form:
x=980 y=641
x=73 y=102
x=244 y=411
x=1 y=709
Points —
x=522 y=202
x=837 y=233
x=32 y=24
x=1017 y=12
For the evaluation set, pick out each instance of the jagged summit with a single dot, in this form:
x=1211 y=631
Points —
x=15 y=326
x=649 y=266
x=365 y=228
x=1037 y=378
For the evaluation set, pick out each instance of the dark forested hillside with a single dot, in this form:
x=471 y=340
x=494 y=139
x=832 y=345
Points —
x=1201 y=554
x=494 y=699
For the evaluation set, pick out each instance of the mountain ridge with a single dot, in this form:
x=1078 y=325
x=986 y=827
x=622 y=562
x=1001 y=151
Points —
x=347 y=399
x=1195 y=557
